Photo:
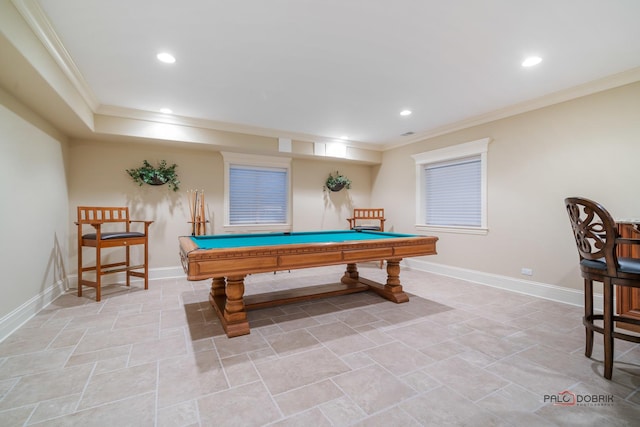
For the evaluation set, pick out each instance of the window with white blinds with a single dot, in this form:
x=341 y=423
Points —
x=451 y=188
x=257 y=195
x=452 y=193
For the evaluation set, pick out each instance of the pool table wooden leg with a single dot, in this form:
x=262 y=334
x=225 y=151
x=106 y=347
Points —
x=228 y=301
x=351 y=275
x=217 y=286
x=392 y=290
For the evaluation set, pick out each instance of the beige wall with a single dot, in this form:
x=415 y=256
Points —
x=34 y=224
x=97 y=177
x=588 y=147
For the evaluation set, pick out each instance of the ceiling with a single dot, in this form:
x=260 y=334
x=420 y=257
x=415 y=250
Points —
x=333 y=68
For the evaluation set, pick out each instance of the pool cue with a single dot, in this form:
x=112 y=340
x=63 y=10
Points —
x=201 y=224
x=195 y=213
x=189 y=193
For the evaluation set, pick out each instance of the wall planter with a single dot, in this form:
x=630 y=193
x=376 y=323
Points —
x=336 y=182
x=163 y=174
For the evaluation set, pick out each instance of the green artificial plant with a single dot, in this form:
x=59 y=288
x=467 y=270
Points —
x=163 y=174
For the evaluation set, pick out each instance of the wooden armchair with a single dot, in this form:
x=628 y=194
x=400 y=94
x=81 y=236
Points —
x=367 y=219
x=103 y=220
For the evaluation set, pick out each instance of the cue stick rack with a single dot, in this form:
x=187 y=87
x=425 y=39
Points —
x=195 y=199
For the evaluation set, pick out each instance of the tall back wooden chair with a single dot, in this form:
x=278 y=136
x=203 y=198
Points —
x=597 y=239
x=367 y=219
x=371 y=219
x=110 y=228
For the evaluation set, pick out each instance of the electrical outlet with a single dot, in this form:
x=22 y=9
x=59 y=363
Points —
x=526 y=271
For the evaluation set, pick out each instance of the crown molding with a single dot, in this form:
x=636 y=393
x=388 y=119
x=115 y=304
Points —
x=37 y=20
x=595 y=86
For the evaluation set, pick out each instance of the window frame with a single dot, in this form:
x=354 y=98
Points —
x=257 y=161
x=456 y=152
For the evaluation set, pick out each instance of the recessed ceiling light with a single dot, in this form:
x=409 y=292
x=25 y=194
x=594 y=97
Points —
x=344 y=137
x=166 y=110
x=531 y=61
x=166 y=58
x=405 y=112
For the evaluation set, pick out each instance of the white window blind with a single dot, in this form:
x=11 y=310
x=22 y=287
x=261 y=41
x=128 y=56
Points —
x=453 y=192
x=451 y=188
x=257 y=195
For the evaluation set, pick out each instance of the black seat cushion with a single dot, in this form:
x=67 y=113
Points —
x=114 y=235
x=627 y=265
x=366 y=228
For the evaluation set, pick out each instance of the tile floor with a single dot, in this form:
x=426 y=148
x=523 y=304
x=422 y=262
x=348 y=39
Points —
x=456 y=354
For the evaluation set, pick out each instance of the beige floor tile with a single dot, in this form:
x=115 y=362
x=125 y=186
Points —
x=126 y=320
x=16 y=417
x=445 y=407
x=189 y=377
x=95 y=356
x=120 y=384
x=292 y=342
x=466 y=379
x=54 y=408
x=47 y=385
x=373 y=388
x=398 y=358
x=136 y=411
x=313 y=417
x=420 y=334
x=300 y=369
x=304 y=398
x=535 y=378
x=31 y=363
x=239 y=370
x=28 y=340
x=342 y=412
x=162 y=348
x=182 y=414
x=394 y=417
x=120 y=337
x=490 y=345
x=247 y=405
x=231 y=346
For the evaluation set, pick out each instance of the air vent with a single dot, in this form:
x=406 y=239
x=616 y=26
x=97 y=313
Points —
x=407 y=133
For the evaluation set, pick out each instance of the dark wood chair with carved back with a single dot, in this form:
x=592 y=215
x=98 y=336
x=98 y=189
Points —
x=371 y=219
x=596 y=235
x=110 y=228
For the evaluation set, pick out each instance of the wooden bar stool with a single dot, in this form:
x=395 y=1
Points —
x=597 y=238
x=99 y=218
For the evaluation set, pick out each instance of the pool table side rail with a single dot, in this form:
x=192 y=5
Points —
x=200 y=264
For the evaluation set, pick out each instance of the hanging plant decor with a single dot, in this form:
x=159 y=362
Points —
x=337 y=182
x=163 y=174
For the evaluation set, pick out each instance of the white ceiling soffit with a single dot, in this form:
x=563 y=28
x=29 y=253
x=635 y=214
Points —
x=322 y=70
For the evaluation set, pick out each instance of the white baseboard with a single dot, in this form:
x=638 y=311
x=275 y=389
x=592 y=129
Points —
x=527 y=287
x=13 y=320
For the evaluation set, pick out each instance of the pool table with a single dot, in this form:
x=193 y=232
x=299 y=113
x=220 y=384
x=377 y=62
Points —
x=228 y=258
